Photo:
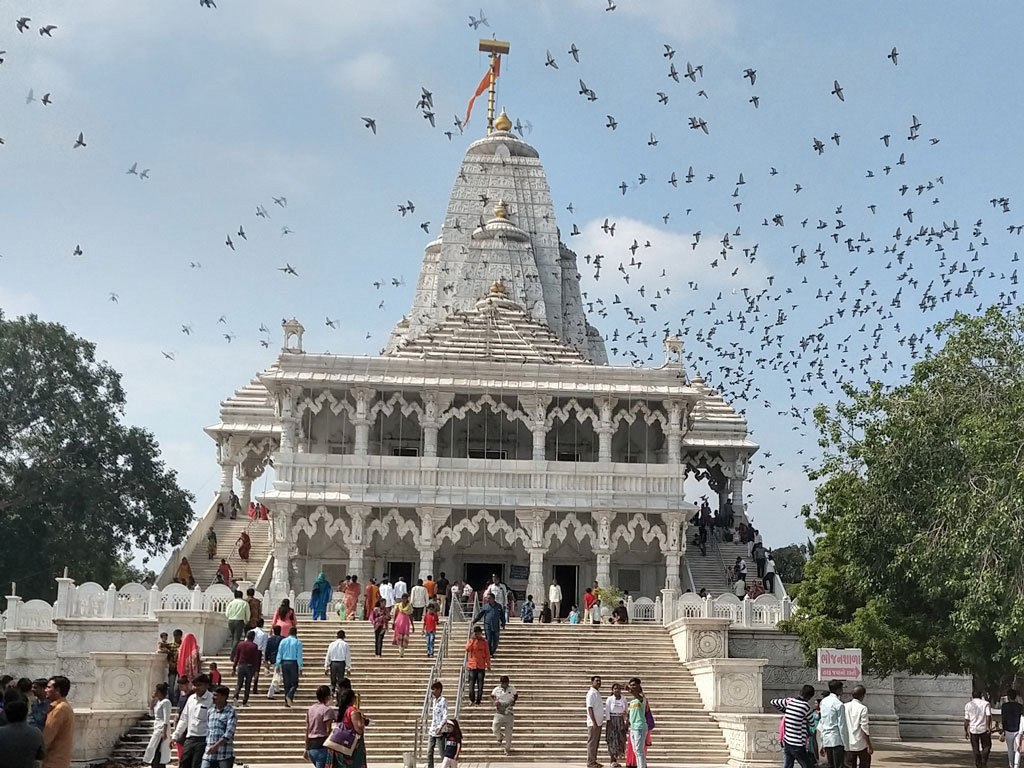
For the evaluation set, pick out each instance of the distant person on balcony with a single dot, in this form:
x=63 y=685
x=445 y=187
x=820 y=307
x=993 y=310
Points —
x=526 y=610
x=244 y=545
x=184 y=574
x=555 y=600
x=370 y=597
x=402 y=625
x=319 y=597
x=211 y=544
x=478 y=661
x=491 y=615
x=419 y=597
x=284 y=617
x=769 y=574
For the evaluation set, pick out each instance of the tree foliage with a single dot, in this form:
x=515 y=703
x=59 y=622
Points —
x=78 y=488
x=789 y=563
x=920 y=512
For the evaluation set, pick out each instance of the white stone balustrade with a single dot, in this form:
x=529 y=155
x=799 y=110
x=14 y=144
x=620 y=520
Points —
x=397 y=480
x=763 y=612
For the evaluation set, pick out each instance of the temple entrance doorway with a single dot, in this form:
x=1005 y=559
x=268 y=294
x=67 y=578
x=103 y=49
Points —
x=567 y=577
x=396 y=569
x=479 y=574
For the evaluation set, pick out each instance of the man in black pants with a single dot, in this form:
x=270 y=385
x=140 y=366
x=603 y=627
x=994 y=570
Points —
x=192 y=725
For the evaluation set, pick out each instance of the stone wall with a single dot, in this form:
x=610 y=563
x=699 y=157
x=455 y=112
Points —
x=901 y=706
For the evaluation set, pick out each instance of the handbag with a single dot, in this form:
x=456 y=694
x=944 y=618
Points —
x=650 y=719
x=343 y=740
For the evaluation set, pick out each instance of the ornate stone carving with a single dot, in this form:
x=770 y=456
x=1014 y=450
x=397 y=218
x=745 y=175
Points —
x=709 y=644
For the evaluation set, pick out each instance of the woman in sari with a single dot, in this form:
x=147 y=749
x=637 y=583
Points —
x=320 y=597
x=403 y=624
x=352 y=590
x=184 y=575
x=284 y=617
x=370 y=599
x=189 y=662
x=225 y=572
x=211 y=544
x=244 y=545
x=350 y=716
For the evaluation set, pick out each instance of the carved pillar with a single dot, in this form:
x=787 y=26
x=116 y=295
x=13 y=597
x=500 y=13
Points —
x=362 y=420
x=431 y=518
x=533 y=521
x=537 y=408
x=673 y=548
x=289 y=421
x=674 y=430
x=434 y=406
x=605 y=429
x=282 y=521
x=602 y=547
x=246 y=478
x=738 y=505
x=356 y=542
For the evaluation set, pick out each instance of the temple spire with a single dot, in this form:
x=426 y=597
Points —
x=495 y=48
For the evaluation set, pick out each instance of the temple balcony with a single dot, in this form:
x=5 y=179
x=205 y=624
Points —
x=483 y=483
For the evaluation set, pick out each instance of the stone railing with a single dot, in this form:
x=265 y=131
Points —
x=481 y=482
x=30 y=616
x=91 y=601
x=763 y=612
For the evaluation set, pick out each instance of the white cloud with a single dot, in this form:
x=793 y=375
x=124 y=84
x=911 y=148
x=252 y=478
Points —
x=367 y=73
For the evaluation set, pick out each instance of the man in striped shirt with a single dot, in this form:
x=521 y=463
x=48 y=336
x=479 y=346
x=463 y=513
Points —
x=797 y=719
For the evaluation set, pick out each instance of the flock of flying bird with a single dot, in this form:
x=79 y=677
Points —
x=858 y=287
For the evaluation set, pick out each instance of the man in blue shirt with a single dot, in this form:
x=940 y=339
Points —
x=40 y=705
x=289 y=661
x=492 y=616
x=220 y=733
x=833 y=725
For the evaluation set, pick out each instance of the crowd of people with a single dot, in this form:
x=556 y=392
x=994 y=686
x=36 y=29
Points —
x=36 y=722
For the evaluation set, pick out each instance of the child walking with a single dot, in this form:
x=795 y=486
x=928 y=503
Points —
x=452 y=744
x=430 y=627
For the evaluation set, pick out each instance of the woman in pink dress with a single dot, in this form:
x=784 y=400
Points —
x=352 y=590
x=284 y=617
x=403 y=624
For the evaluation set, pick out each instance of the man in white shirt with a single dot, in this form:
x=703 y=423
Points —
x=260 y=639
x=978 y=728
x=769 y=575
x=193 y=724
x=555 y=600
x=503 y=697
x=419 y=597
x=595 y=720
x=338 y=662
x=858 y=737
x=438 y=716
x=401 y=588
x=833 y=725
x=387 y=592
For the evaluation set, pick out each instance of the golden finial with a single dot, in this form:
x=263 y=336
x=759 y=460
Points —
x=503 y=123
x=498 y=287
x=500 y=211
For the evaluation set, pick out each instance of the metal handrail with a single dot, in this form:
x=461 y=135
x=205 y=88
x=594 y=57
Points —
x=465 y=657
x=440 y=651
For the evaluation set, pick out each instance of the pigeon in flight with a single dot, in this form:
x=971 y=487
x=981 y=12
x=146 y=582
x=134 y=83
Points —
x=837 y=90
x=475 y=22
x=31 y=96
x=282 y=201
x=133 y=170
x=288 y=269
x=47 y=30
x=370 y=123
x=551 y=61
x=23 y=23
x=574 y=52
x=893 y=54
x=751 y=74
x=80 y=141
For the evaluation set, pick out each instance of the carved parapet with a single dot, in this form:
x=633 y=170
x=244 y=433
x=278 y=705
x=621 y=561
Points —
x=728 y=685
x=753 y=740
x=126 y=680
x=698 y=638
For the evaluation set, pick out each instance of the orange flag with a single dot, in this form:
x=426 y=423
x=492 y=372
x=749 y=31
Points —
x=481 y=88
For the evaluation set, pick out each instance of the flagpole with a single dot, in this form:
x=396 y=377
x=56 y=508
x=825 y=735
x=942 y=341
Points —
x=495 y=48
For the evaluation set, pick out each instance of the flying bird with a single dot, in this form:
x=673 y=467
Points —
x=475 y=22
x=893 y=54
x=23 y=23
x=46 y=99
x=80 y=141
x=551 y=61
x=288 y=269
x=369 y=122
x=47 y=30
x=574 y=52
x=77 y=251
x=750 y=74
x=282 y=201
x=837 y=90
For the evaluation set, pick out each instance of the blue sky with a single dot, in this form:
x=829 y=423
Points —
x=232 y=106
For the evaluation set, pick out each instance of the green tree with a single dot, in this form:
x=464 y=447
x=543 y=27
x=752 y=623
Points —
x=920 y=512
x=78 y=488
x=789 y=563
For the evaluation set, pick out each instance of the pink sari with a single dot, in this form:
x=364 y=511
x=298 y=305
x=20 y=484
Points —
x=352 y=590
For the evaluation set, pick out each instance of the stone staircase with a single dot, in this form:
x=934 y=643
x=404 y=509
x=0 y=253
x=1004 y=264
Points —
x=551 y=665
x=708 y=570
x=391 y=690
x=204 y=569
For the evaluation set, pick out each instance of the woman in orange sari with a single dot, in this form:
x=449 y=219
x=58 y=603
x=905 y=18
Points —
x=370 y=599
x=352 y=590
x=184 y=575
x=189 y=662
x=244 y=545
